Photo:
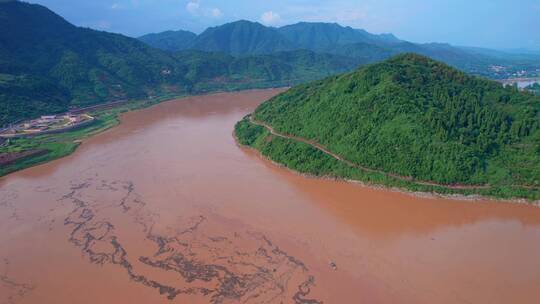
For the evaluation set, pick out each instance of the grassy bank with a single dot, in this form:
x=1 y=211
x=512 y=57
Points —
x=306 y=159
x=63 y=144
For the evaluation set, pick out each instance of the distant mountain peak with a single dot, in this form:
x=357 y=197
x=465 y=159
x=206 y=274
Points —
x=242 y=37
x=241 y=22
x=322 y=36
x=170 y=40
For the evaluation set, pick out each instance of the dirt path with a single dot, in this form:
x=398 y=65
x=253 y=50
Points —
x=337 y=157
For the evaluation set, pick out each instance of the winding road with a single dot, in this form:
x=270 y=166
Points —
x=349 y=163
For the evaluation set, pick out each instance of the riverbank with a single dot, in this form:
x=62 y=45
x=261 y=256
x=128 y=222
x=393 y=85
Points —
x=54 y=124
x=520 y=82
x=309 y=159
x=62 y=144
x=56 y=145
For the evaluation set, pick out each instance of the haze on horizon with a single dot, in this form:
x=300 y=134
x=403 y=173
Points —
x=498 y=24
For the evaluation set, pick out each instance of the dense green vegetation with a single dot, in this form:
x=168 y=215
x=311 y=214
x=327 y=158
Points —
x=212 y=71
x=48 y=65
x=27 y=95
x=305 y=159
x=413 y=117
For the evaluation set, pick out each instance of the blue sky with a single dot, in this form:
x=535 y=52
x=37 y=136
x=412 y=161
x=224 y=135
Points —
x=503 y=24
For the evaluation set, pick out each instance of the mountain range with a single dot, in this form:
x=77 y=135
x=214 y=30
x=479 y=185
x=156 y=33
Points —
x=242 y=38
x=247 y=38
x=48 y=65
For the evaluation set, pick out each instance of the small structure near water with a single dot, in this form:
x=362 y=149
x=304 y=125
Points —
x=47 y=124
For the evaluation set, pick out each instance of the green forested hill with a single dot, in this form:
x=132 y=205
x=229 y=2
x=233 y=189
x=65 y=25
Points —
x=74 y=66
x=210 y=71
x=28 y=96
x=48 y=65
x=414 y=117
x=93 y=64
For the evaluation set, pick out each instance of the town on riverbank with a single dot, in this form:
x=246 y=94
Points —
x=525 y=84
x=46 y=124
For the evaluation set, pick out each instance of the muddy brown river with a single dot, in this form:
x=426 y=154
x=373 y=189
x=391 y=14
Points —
x=166 y=208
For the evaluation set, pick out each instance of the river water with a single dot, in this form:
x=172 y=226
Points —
x=166 y=208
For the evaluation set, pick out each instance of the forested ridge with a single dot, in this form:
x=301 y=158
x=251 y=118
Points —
x=242 y=38
x=416 y=117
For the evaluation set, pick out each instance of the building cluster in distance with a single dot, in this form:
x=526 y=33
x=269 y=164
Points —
x=46 y=124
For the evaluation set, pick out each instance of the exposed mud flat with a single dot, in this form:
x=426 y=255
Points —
x=166 y=208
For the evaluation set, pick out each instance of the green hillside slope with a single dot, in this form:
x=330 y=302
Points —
x=414 y=119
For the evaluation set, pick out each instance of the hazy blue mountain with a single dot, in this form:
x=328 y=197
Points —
x=170 y=40
x=248 y=38
x=516 y=55
x=470 y=60
x=522 y=51
x=321 y=36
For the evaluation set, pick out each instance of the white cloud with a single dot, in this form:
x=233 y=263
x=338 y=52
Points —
x=197 y=9
x=116 y=6
x=216 y=13
x=193 y=7
x=270 y=18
